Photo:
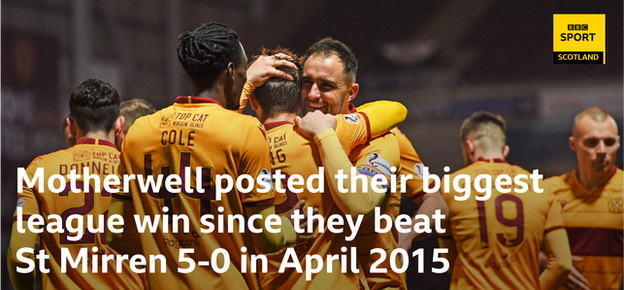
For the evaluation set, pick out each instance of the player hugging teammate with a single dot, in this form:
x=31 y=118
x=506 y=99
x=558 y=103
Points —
x=165 y=225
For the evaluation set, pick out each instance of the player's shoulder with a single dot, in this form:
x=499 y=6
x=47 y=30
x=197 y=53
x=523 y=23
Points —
x=53 y=157
x=160 y=119
x=618 y=178
x=240 y=121
x=560 y=183
x=352 y=118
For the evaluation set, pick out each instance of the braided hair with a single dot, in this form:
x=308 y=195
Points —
x=94 y=105
x=206 y=51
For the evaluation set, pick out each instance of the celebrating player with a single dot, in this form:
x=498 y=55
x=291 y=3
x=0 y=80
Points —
x=201 y=131
x=329 y=85
x=593 y=201
x=94 y=121
x=277 y=104
x=494 y=242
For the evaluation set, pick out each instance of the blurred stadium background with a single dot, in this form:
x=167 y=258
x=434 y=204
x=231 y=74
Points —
x=442 y=59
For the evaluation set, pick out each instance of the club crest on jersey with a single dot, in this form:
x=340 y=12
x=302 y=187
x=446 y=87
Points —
x=166 y=120
x=616 y=205
x=82 y=155
x=418 y=168
x=352 y=118
x=267 y=176
x=383 y=165
x=20 y=202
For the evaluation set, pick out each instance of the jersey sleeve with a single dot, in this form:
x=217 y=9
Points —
x=27 y=199
x=379 y=156
x=554 y=220
x=383 y=115
x=352 y=130
x=248 y=89
x=255 y=160
x=410 y=165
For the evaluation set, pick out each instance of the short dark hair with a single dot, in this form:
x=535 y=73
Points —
x=483 y=124
x=327 y=47
x=207 y=51
x=280 y=95
x=134 y=109
x=94 y=105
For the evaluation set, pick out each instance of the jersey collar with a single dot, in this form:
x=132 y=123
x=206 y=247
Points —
x=271 y=125
x=195 y=100
x=580 y=188
x=95 y=142
x=352 y=108
x=494 y=160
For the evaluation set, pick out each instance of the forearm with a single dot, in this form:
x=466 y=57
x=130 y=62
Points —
x=429 y=204
x=559 y=260
x=266 y=241
x=248 y=89
x=355 y=201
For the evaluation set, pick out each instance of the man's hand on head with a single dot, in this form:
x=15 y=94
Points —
x=315 y=122
x=265 y=67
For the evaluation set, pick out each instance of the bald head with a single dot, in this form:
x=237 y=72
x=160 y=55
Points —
x=595 y=140
x=596 y=114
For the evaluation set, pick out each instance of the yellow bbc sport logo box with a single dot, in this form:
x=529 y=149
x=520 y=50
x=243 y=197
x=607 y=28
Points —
x=579 y=39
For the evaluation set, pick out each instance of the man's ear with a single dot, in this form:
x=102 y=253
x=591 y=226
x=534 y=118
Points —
x=353 y=90
x=505 y=151
x=231 y=70
x=471 y=147
x=572 y=145
x=119 y=125
x=72 y=126
x=254 y=102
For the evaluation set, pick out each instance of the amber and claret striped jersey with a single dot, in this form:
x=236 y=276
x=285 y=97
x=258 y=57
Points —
x=102 y=159
x=594 y=222
x=197 y=132
x=498 y=240
x=294 y=154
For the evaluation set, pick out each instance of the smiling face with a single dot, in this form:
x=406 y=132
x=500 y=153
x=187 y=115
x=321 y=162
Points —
x=325 y=86
x=595 y=143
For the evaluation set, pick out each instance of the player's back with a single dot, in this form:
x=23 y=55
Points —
x=197 y=132
x=293 y=154
x=598 y=243
x=101 y=158
x=498 y=240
